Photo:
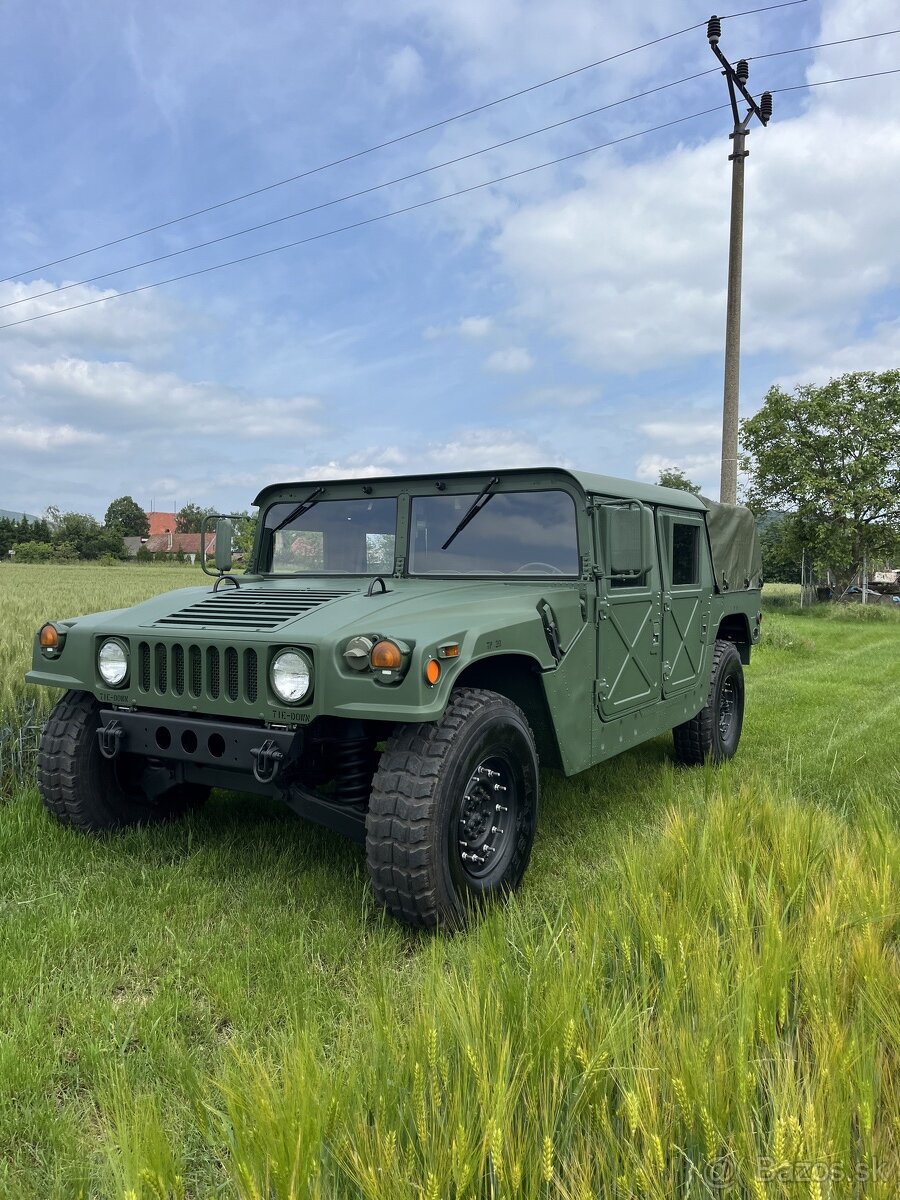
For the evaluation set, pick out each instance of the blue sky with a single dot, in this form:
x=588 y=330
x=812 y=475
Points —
x=574 y=315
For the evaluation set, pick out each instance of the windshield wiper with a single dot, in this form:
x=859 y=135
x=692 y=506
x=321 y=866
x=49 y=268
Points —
x=303 y=507
x=473 y=510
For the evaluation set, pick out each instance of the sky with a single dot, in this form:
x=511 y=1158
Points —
x=573 y=315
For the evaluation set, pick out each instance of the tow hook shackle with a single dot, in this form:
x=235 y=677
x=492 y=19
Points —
x=109 y=739
x=267 y=759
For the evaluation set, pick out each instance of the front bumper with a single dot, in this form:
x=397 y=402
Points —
x=226 y=745
x=242 y=757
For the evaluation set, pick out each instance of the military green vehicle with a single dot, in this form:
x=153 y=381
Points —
x=399 y=656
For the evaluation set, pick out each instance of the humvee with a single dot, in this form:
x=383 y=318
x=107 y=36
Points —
x=399 y=656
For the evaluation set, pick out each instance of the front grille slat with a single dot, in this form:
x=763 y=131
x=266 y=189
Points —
x=196 y=663
x=144 y=667
x=250 y=676
x=231 y=673
x=212 y=671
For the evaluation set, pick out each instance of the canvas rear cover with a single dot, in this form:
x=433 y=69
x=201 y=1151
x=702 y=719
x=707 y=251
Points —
x=737 y=558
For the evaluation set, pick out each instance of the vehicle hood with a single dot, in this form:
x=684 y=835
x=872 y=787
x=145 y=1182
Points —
x=326 y=609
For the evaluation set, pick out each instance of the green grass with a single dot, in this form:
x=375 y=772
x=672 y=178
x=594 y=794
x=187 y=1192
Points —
x=699 y=977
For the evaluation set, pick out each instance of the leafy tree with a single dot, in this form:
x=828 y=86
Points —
x=781 y=551
x=87 y=537
x=187 y=519
x=244 y=533
x=830 y=457
x=674 y=477
x=128 y=517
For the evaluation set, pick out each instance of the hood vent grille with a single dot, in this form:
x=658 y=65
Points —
x=250 y=609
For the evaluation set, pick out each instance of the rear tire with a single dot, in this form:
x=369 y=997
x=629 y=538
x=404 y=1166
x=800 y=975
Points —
x=88 y=792
x=453 y=811
x=714 y=733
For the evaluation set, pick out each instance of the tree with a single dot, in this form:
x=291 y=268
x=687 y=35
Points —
x=830 y=457
x=187 y=519
x=781 y=553
x=86 y=536
x=674 y=477
x=127 y=516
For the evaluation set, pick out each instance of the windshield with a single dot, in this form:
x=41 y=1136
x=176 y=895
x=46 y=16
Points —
x=524 y=533
x=342 y=537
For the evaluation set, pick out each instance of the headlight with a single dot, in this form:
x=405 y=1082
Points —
x=291 y=675
x=112 y=662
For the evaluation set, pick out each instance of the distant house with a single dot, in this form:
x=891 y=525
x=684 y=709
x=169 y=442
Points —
x=161 y=522
x=170 y=543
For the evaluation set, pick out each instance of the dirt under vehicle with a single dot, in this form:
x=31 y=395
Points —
x=399 y=656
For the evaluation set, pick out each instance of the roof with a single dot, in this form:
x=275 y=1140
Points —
x=160 y=522
x=603 y=485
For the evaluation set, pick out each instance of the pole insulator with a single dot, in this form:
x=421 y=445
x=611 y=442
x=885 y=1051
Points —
x=765 y=105
x=714 y=30
x=742 y=70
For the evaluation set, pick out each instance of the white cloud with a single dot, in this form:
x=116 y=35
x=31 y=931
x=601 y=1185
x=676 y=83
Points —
x=686 y=432
x=108 y=322
x=465 y=450
x=512 y=361
x=122 y=394
x=45 y=437
x=703 y=469
x=467 y=327
x=405 y=70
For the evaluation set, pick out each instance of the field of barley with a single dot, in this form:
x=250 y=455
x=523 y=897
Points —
x=695 y=994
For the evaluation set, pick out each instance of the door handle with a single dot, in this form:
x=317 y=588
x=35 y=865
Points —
x=654 y=638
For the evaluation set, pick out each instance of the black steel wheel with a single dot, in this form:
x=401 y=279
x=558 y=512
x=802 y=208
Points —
x=453 y=811
x=713 y=734
x=90 y=793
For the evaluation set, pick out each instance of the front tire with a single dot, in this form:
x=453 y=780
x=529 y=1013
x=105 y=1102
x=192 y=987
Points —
x=453 y=811
x=713 y=734
x=88 y=792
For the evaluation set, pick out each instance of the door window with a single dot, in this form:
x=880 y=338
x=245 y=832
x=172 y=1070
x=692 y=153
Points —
x=685 y=563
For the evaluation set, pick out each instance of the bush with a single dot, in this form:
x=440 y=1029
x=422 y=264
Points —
x=38 y=552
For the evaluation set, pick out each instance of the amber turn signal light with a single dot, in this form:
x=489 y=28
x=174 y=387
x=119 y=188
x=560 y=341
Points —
x=432 y=671
x=386 y=656
x=48 y=637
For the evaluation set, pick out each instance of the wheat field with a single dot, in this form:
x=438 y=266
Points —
x=695 y=994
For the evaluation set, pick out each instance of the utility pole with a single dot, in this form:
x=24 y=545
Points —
x=736 y=78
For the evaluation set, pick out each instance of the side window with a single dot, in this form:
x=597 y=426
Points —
x=625 y=536
x=685 y=554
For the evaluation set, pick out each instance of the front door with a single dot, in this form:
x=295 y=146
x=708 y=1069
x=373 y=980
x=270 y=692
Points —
x=686 y=582
x=628 y=630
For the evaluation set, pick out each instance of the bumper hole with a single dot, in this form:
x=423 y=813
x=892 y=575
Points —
x=216 y=745
x=163 y=737
x=189 y=741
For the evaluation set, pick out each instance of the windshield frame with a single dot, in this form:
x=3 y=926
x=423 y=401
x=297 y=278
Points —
x=404 y=489
x=269 y=572
x=505 y=487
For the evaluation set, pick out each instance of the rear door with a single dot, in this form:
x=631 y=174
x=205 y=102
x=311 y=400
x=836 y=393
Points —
x=686 y=588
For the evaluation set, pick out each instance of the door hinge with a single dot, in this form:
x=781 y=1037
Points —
x=666 y=670
x=603 y=610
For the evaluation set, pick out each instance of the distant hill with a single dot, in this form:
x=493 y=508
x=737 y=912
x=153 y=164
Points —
x=17 y=516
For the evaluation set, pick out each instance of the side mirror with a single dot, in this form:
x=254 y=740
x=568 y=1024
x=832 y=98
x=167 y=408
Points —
x=224 y=534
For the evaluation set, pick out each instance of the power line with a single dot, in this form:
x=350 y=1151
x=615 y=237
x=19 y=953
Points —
x=797 y=87
x=424 y=203
x=391 y=141
x=369 y=220
x=450 y=162
x=417 y=174
x=863 y=37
